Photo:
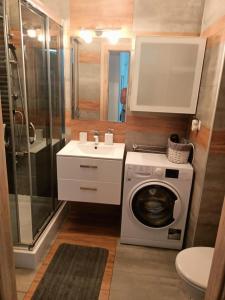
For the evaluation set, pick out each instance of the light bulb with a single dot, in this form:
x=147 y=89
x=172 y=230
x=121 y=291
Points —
x=41 y=38
x=31 y=33
x=86 y=35
x=112 y=36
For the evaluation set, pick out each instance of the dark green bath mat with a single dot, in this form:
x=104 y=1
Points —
x=75 y=273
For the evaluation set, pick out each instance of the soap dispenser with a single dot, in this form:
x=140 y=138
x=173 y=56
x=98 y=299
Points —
x=109 y=137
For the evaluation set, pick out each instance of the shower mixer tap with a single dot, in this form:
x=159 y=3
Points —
x=15 y=96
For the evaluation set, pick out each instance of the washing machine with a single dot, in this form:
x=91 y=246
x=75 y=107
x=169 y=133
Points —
x=155 y=200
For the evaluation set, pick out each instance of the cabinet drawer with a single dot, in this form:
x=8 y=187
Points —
x=89 y=191
x=89 y=169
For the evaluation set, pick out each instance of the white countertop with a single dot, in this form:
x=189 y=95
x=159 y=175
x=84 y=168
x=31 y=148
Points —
x=75 y=148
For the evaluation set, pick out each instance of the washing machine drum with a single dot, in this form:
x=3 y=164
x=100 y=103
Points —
x=153 y=205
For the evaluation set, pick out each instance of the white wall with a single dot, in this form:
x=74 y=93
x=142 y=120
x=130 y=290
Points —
x=168 y=16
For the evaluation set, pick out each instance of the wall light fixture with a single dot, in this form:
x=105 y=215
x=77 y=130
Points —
x=112 y=36
x=31 y=33
x=86 y=35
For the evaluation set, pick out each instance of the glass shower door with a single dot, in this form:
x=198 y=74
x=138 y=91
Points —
x=35 y=60
x=32 y=98
x=56 y=96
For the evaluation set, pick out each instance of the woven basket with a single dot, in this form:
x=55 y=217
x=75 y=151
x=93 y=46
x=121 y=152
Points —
x=178 y=153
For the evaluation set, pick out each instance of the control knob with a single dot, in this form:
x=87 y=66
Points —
x=158 y=172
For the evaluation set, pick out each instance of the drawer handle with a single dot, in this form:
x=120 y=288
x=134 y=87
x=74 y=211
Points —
x=83 y=188
x=88 y=166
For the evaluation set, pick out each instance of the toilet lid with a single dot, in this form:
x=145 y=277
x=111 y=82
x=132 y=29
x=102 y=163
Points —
x=194 y=265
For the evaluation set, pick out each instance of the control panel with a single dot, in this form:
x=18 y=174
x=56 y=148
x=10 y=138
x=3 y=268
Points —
x=148 y=172
x=172 y=173
x=139 y=172
x=159 y=172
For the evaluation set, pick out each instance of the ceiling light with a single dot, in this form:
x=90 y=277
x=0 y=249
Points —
x=86 y=35
x=41 y=37
x=31 y=33
x=112 y=36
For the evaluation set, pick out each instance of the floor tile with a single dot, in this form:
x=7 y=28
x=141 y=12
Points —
x=20 y=296
x=143 y=273
x=24 y=278
x=146 y=260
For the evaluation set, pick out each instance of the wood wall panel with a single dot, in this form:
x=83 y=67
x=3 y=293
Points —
x=214 y=10
x=89 y=105
x=201 y=137
x=100 y=13
x=151 y=124
x=102 y=126
x=218 y=142
x=16 y=38
x=159 y=123
x=166 y=34
x=89 y=58
x=215 y=33
x=216 y=39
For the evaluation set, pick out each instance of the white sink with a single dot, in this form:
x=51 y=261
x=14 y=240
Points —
x=89 y=149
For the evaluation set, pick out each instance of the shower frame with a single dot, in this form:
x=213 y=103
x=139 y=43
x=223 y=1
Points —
x=33 y=7
x=6 y=31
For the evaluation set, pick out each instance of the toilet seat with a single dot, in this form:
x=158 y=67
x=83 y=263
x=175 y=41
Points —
x=193 y=265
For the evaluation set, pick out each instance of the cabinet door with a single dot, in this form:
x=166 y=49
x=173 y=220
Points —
x=89 y=191
x=167 y=73
x=102 y=170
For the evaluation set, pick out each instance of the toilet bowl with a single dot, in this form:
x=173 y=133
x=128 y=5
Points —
x=193 y=266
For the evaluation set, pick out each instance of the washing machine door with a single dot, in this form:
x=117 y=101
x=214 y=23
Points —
x=155 y=205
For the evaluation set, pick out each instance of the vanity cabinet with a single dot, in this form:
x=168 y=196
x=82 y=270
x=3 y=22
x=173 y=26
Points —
x=88 y=179
x=166 y=74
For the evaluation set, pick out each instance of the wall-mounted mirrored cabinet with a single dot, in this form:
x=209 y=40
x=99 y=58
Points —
x=99 y=79
x=166 y=74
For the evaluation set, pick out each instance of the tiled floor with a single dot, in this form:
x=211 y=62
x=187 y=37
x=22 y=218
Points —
x=89 y=225
x=20 y=295
x=142 y=273
x=24 y=278
x=137 y=273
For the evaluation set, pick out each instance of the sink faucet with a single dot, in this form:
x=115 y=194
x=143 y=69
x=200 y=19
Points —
x=96 y=137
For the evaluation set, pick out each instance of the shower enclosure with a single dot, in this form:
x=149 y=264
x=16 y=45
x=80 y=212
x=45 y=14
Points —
x=32 y=97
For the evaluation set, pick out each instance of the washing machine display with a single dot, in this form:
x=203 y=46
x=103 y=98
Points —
x=155 y=201
x=153 y=205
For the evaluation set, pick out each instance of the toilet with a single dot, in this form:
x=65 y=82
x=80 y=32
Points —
x=193 y=266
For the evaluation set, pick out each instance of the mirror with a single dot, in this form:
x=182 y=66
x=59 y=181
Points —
x=99 y=79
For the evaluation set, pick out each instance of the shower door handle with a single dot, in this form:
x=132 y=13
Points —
x=32 y=133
